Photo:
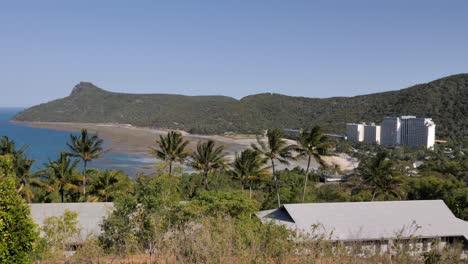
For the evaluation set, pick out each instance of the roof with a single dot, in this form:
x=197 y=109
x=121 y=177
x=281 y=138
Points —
x=370 y=220
x=90 y=215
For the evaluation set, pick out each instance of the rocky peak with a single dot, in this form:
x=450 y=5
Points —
x=83 y=86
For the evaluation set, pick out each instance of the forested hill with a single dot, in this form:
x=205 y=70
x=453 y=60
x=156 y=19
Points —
x=445 y=100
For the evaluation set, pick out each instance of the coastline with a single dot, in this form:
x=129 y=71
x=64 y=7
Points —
x=132 y=139
x=128 y=138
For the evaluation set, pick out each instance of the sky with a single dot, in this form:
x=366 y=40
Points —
x=233 y=48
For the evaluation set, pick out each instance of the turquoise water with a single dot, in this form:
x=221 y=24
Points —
x=47 y=143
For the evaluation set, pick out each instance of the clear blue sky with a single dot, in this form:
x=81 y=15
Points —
x=235 y=48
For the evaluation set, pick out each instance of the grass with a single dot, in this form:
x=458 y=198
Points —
x=226 y=240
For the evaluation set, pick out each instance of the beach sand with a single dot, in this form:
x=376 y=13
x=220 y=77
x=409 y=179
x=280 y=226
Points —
x=131 y=139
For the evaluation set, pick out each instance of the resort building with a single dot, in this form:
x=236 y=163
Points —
x=408 y=130
x=419 y=224
x=417 y=132
x=355 y=132
x=390 y=131
x=369 y=133
x=372 y=133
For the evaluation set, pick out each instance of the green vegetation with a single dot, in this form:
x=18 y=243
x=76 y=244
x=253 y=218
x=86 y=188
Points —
x=444 y=100
x=249 y=167
x=209 y=217
x=380 y=176
x=107 y=185
x=208 y=158
x=87 y=148
x=313 y=144
x=170 y=149
x=17 y=230
x=275 y=148
x=61 y=176
x=25 y=179
x=59 y=232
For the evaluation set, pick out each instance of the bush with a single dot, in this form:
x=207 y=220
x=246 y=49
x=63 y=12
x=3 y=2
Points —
x=59 y=232
x=118 y=228
x=90 y=252
x=18 y=232
x=219 y=203
x=226 y=240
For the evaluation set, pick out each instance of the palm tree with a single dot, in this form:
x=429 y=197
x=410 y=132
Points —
x=208 y=158
x=8 y=146
x=248 y=167
x=25 y=178
x=61 y=173
x=86 y=148
x=380 y=175
x=312 y=144
x=106 y=183
x=22 y=167
x=170 y=149
x=275 y=148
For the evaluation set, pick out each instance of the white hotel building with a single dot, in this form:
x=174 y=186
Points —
x=372 y=134
x=369 y=133
x=355 y=132
x=405 y=130
x=390 y=131
x=417 y=131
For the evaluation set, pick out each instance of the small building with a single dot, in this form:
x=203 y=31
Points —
x=373 y=223
x=328 y=177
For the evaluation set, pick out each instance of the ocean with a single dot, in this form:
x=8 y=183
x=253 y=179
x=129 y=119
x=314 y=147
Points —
x=44 y=144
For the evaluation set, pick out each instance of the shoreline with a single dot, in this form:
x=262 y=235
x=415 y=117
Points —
x=124 y=138
x=128 y=138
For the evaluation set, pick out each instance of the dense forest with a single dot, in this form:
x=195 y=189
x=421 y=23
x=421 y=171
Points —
x=445 y=100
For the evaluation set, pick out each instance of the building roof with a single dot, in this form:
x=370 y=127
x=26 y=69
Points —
x=90 y=215
x=352 y=221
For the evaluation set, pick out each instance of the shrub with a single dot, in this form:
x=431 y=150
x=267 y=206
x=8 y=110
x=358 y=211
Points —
x=59 y=231
x=18 y=232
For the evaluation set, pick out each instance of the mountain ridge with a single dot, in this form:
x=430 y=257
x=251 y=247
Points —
x=444 y=99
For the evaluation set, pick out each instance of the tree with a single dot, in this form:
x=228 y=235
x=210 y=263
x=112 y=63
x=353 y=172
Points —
x=248 y=167
x=119 y=228
x=60 y=230
x=275 y=148
x=208 y=158
x=17 y=229
x=8 y=146
x=170 y=149
x=380 y=175
x=61 y=174
x=26 y=180
x=312 y=144
x=433 y=186
x=220 y=203
x=87 y=148
x=157 y=196
x=106 y=184
x=22 y=166
x=6 y=166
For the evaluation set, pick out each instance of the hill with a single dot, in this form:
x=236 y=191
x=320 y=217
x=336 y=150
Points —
x=445 y=100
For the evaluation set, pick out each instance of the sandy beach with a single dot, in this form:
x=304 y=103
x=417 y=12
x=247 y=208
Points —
x=127 y=138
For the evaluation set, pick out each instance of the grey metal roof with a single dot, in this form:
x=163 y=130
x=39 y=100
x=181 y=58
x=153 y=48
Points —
x=90 y=215
x=370 y=220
